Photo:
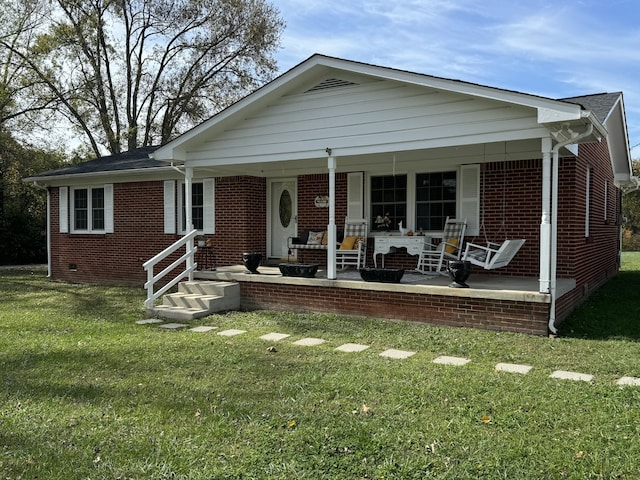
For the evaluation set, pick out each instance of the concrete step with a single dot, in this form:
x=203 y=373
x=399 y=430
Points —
x=197 y=299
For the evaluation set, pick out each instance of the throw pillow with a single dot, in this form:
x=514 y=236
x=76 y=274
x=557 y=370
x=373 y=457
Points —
x=348 y=243
x=325 y=238
x=315 y=238
x=451 y=247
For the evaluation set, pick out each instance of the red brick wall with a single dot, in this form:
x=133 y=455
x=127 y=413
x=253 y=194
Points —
x=115 y=257
x=241 y=218
x=525 y=317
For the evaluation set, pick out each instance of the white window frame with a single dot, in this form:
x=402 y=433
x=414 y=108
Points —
x=467 y=192
x=70 y=207
x=208 y=188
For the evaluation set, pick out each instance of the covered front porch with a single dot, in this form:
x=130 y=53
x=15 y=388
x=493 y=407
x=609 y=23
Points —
x=492 y=302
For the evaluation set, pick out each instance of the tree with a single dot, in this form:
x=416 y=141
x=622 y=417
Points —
x=22 y=207
x=128 y=73
x=631 y=213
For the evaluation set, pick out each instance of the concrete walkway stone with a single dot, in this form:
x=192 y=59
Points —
x=275 y=337
x=202 y=329
x=513 y=368
x=149 y=321
x=352 y=347
x=172 y=326
x=231 y=332
x=633 y=381
x=399 y=354
x=445 y=360
x=564 y=375
x=309 y=342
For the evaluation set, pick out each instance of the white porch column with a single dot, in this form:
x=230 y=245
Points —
x=188 y=213
x=331 y=228
x=545 y=225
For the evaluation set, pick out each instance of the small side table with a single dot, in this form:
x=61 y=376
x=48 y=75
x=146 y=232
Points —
x=205 y=258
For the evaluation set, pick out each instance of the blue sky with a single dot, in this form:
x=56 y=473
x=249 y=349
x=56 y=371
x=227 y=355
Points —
x=551 y=48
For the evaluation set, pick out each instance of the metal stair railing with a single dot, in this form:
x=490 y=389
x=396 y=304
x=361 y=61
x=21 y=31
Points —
x=187 y=258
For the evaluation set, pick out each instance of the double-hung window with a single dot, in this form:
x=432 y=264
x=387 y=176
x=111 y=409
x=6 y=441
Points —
x=423 y=201
x=388 y=201
x=435 y=199
x=91 y=209
x=197 y=206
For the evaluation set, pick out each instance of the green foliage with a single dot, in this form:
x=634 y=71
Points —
x=86 y=393
x=140 y=72
x=22 y=206
x=631 y=212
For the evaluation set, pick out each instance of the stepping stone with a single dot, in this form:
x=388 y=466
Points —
x=274 y=337
x=513 y=368
x=633 y=381
x=563 y=375
x=231 y=332
x=309 y=342
x=149 y=321
x=202 y=329
x=172 y=326
x=445 y=360
x=400 y=354
x=352 y=347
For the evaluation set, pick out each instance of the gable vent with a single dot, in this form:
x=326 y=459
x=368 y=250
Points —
x=330 y=83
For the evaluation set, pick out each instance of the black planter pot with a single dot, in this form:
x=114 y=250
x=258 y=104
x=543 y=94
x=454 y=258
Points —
x=459 y=271
x=251 y=261
x=298 y=270
x=384 y=275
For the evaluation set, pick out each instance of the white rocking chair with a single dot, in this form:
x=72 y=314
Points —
x=353 y=249
x=432 y=259
x=493 y=255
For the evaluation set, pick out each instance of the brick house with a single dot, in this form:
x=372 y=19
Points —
x=367 y=139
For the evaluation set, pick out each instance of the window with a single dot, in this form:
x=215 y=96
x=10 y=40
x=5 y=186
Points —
x=389 y=199
x=202 y=206
x=89 y=209
x=435 y=199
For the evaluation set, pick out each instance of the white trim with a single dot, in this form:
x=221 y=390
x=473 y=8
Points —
x=63 y=209
x=169 y=206
x=108 y=208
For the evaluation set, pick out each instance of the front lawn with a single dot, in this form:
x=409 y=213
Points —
x=87 y=393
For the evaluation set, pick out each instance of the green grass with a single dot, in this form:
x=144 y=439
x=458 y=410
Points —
x=87 y=393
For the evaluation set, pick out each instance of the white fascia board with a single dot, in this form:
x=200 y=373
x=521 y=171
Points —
x=549 y=115
x=119 y=176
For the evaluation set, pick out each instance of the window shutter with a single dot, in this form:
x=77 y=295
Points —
x=209 y=205
x=355 y=194
x=169 y=206
x=108 y=208
x=470 y=198
x=63 y=209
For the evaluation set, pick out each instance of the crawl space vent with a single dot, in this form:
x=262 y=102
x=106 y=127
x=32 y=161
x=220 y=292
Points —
x=330 y=83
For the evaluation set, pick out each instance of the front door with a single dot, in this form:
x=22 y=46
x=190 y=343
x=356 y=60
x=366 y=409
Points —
x=283 y=216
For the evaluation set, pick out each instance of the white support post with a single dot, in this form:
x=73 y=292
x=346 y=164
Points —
x=545 y=225
x=331 y=228
x=188 y=215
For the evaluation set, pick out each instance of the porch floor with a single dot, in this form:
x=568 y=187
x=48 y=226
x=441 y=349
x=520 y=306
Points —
x=496 y=287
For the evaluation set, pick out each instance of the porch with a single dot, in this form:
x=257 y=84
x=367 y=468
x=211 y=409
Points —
x=493 y=302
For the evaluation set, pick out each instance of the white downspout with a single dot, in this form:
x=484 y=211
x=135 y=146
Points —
x=331 y=228
x=48 y=227
x=554 y=223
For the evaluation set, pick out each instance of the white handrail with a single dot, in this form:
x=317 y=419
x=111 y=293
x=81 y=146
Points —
x=187 y=258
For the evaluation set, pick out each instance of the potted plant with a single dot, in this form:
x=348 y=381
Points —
x=200 y=240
